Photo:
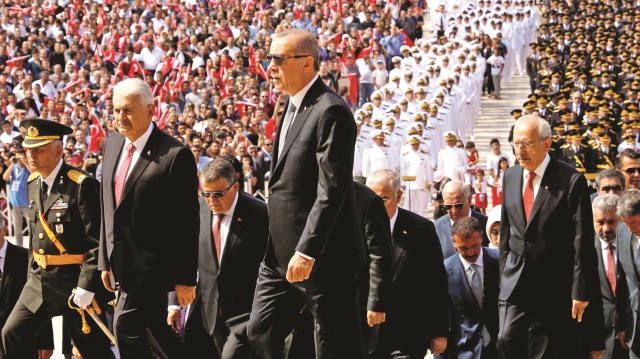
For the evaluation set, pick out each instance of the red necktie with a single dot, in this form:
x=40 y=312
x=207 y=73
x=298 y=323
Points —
x=527 y=198
x=121 y=178
x=611 y=268
x=217 y=238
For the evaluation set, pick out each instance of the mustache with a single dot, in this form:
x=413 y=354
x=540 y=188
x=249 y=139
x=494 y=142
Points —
x=607 y=234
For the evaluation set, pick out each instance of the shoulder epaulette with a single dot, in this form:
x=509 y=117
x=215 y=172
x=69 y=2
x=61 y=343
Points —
x=583 y=145
x=566 y=145
x=405 y=153
x=425 y=152
x=76 y=176
x=33 y=176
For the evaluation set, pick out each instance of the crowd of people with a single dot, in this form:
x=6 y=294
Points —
x=289 y=102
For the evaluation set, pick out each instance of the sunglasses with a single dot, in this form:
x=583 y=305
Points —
x=279 y=59
x=632 y=170
x=217 y=195
x=611 y=188
x=449 y=206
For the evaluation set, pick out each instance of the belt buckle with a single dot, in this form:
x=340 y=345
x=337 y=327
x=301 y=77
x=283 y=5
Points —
x=42 y=261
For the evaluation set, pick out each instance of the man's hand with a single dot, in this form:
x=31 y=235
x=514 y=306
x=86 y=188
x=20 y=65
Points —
x=374 y=318
x=578 y=309
x=106 y=280
x=438 y=345
x=299 y=268
x=45 y=353
x=185 y=294
x=595 y=355
x=622 y=339
x=173 y=319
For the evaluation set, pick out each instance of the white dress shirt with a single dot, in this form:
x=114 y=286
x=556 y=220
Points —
x=393 y=220
x=139 y=144
x=539 y=174
x=467 y=269
x=225 y=225
x=51 y=178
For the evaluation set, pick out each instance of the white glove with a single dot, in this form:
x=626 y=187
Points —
x=82 y=298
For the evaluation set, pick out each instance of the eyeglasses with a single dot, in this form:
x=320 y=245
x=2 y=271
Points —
x=611 y=188
x=279 y=59
x=632 y=170
x=217 y=195
x=449 y=206
x=525 y=145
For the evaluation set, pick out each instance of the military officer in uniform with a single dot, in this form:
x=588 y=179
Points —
x=377 y=156
x=452 y=160
x=605 y=154
x=64 y=222
x=577 y=154
x=416 y=163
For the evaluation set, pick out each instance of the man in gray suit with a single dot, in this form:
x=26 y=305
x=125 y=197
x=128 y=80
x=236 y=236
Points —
x=627 y=291
x=605 y=222
x=455 y=196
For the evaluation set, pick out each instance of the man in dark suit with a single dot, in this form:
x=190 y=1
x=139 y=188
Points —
x=148 y=177
x=311 y=211
x=627 y=290
x=236 y=225
x=548 y=262
x=473 y=287
x=456 y=196
x=605 y=222
x=417 y=320
x=64 y=212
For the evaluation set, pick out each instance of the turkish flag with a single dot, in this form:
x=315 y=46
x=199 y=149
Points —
x=407 y=40
x=97 y=132
x=353 y=88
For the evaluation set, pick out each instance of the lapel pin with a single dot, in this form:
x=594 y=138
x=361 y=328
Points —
x=404 y=232
x=61 y=181
x=148 y=153
x=546 y=187
x=239 y=219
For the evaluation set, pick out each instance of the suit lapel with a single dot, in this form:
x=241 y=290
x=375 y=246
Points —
x=399 y=241
x=447 y=241
x=459 y=276
x=142 y=162
x=7 y=272
x=625 y=254
x=236 y=228
x=491 y=277
x=206 y=236
x=516 y=193
x=602 y=273
x=54 y=193
x=543 y=189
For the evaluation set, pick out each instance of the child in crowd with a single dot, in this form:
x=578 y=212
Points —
x=472 y=160
x=380 y=75
x=496 y=188
x=480 y=186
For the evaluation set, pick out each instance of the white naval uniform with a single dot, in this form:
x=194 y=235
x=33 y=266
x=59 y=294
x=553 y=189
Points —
x=375 y=158
x=416 y=164
x=452 y=161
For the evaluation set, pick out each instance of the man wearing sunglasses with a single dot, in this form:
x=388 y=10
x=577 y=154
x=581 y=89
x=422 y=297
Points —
x=311 y=210
x=233 y=239
x=548 y=262
x=455 y=196
x=628 y=162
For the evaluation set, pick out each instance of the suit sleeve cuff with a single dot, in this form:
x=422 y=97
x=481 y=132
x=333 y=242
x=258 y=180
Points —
x=305 y=256
x=176 y=307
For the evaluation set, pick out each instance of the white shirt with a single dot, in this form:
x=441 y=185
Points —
x=52 y=177
x=605 y=253
x=479 y=270
x=539 y=174
x=225 y=224
x=452 y=221
x=393 y=220
x=139 y=144
x=3 y=255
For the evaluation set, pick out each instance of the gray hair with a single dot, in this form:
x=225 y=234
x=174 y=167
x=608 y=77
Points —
x=135 y=87
x=544 y=130
x=605 y=203
x=629 y=203
x=610 y=173
x=305 y=43
x=457 y=185
x=465 y=227
x=216 y=169
x=385 y=177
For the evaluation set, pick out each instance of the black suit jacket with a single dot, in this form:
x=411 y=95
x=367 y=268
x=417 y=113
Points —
x=417 y=310
x=14 y=277
x=311 y=196
x=549 y=260
x=157 y=220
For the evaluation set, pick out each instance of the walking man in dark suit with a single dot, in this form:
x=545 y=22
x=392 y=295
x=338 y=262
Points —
x=417 y=319
x=315 y=247
x=473 y=287
x=148 y=178
x=548 y=263
x=455 y=196
x=64 y=212
x=605 y=222
x=233 y=239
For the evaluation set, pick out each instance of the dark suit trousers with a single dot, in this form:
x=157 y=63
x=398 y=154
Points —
x=140 y=322
x=223 y=344
x=329 y=296
x=519 y=329
x=19 y=338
